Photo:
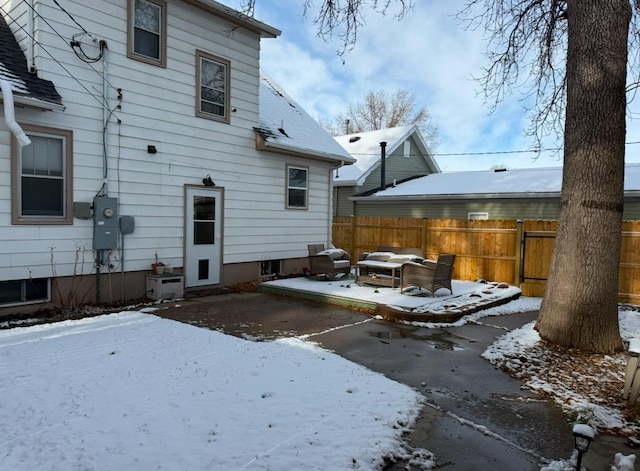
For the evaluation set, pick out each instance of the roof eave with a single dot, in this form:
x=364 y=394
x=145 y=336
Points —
x=264 y=145
x=237 y=17
x=448 y=197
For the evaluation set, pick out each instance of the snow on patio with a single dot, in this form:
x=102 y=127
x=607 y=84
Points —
x=133 y=391
x=467 y=296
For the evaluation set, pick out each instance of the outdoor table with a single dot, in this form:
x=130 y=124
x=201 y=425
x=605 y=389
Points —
x=377 y=273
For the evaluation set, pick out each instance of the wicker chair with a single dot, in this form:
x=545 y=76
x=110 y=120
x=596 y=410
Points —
x=329 y=264
x=428 y=275
x=315 y=248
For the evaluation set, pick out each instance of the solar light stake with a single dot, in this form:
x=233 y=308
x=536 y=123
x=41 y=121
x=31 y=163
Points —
x=583 y=434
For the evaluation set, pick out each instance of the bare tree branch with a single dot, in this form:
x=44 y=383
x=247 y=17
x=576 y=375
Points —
x=378 y=110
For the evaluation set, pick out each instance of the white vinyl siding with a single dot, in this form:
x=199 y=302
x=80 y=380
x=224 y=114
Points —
x=157 y=108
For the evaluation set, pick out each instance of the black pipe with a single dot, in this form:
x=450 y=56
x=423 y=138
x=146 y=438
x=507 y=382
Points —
x=383 y=157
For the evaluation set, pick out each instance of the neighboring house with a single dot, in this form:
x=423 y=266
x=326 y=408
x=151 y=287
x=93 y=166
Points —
x=532 y=193
x=137 y=131
x=407 y=157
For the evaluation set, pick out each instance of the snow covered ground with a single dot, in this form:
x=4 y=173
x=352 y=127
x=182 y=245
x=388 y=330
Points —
x=134 y=391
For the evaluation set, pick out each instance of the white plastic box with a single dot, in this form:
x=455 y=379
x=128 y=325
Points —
x=169 y=286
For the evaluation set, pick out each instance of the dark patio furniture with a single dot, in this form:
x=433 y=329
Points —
x=329 y=262
x=429 y=275
x=314 y=249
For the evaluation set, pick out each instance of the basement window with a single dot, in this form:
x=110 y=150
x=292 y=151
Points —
x=269 y=268
x=30 y=291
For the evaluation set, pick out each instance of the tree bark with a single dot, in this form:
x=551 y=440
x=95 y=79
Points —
x=580 y=305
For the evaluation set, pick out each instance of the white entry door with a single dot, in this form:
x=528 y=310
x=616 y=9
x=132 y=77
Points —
x=203 y=236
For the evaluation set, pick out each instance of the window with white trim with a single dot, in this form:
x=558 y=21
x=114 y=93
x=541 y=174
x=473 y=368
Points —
x=42 y=172
x=407 y=149
x=297 y=187
x=478 y=215
x=212 y=87
x=147 y=31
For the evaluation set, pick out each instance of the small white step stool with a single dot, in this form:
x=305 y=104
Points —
x=632 y=377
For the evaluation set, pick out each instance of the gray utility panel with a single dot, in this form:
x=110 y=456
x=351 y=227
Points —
x=105 y=223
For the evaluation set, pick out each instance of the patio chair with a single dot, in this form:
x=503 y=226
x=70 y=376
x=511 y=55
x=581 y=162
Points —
x=428 y=275
x=330 y=263
x=314 y=249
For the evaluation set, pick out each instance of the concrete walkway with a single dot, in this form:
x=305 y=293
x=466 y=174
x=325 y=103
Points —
x=476 y=417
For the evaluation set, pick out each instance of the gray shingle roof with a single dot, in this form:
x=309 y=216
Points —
x=285 y=126
x=13 y=69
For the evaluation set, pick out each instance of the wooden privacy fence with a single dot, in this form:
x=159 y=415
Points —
x=518 y=253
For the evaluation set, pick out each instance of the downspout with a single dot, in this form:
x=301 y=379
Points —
x=9 y=114
x=383 y=158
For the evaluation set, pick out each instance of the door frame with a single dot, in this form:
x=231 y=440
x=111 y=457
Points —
x=188 y=207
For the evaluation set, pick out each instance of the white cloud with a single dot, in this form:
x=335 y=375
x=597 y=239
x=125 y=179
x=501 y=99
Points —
x=427 y=53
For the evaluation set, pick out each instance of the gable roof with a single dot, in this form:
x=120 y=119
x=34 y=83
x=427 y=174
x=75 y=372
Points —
x=517 y=183
x=285 y=127
x=27 y=88
x=365 y=148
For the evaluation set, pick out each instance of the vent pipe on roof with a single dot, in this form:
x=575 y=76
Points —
x=9 y=114
x=383 y=158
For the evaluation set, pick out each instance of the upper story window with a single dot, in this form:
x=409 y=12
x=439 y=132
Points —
x=297 y=187
x=42 y=187
x=148 y=31
x=212 y=87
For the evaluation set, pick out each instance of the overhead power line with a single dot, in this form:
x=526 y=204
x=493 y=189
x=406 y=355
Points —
x=495 y=152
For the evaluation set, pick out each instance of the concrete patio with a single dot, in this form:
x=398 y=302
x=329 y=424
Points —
x=412 y=305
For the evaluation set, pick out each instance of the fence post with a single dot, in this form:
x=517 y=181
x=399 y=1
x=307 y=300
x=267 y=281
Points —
x=423 y=237
x=352 y=242
x=517 y=276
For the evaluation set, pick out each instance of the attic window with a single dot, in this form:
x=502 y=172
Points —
x=354 y=139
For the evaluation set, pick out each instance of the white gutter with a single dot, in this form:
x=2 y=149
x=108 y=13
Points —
x=307 y=153
x=30 y=102
x=9 y=114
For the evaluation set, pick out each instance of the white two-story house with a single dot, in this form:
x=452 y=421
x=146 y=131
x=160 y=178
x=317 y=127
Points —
x=142 y=131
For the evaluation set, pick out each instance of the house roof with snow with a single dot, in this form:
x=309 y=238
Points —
x=28 y=89
x=364 y=147
x=285 y=127
x=517 y=183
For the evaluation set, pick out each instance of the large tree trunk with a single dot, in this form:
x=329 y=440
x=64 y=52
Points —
x=580 y=305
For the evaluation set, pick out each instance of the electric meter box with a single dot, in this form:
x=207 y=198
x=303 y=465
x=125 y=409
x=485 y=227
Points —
x=105 y=223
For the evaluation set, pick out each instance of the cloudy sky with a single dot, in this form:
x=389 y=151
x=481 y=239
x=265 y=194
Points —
x=428 y=53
